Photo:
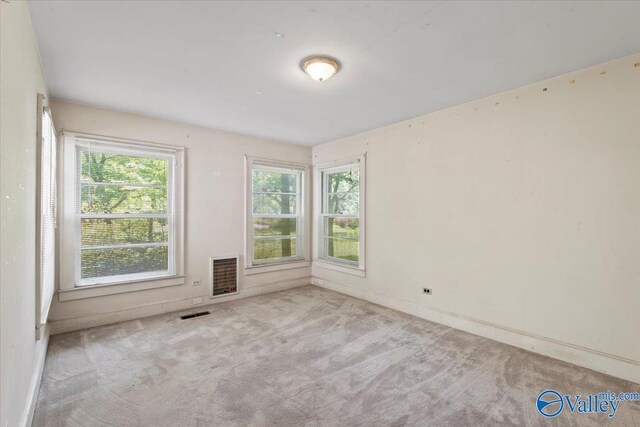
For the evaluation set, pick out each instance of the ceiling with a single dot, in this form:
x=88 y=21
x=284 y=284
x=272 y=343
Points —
x=235 y=65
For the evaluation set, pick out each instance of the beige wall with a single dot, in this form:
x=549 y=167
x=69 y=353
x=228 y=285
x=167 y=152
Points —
x=214 y=211
x=521 y=211
x=21 y=79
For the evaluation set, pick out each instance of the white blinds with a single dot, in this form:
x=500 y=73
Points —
x=47 y=217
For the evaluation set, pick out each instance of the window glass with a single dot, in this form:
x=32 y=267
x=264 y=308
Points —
x=275 y=213
x=340 y=216
x=124 y=214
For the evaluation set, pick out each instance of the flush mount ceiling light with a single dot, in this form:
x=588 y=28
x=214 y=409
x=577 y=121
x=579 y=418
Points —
x=320 y=67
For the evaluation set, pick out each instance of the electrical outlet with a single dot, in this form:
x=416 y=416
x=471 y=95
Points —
x=426 y=291
x=197 y=301
x=196 y=282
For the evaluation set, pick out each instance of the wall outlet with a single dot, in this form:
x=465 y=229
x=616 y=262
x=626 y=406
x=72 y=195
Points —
x=197 y=301
x=196 y=282
x=426 y=291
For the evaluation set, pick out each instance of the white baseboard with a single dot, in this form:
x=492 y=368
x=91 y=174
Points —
x=84 y=322
x=610 y=364
x=34 y=386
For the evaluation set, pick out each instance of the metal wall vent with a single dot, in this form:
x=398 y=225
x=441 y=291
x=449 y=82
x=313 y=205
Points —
x=223 y=276
x=192 y=315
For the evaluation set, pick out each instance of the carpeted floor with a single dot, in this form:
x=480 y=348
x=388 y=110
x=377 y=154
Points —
x=305 y=356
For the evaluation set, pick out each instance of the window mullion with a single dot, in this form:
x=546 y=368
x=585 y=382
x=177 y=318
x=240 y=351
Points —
x=272 y=193
x=287 y=237
x=123 y=216
x=275 y=216
x=122 y=184
x=355 y=239
x=124 y=246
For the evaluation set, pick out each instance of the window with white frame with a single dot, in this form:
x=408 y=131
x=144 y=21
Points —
x=124 y=213
x=46 y=213
x=275 y=212
x=341 y=228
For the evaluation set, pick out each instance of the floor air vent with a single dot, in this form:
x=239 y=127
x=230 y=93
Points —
x=224 y=276
x=192 y=315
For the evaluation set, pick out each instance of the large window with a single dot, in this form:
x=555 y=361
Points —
x=341 y=237
x=47 y=207
x=275 y=215
x=126 y=211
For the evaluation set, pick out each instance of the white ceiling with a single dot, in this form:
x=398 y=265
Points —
x=235 y=65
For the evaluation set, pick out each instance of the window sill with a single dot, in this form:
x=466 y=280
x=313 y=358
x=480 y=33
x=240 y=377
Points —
x=342 y=268
x=118 y=288
x=268 y=268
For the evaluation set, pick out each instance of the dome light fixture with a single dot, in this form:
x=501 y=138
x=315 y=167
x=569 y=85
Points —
x=320 y=67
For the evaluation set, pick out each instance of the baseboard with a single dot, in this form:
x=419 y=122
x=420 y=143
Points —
x=34 y=386
x=84 y=322
x=610 y=364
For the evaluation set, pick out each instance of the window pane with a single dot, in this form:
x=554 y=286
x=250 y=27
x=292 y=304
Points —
x=274 y=204
x=274 y=248
x=274 y=227
x=274 y=182
x=116 y=262
x=343 y=182
x=343 y=203
x=348 y=250
x=123 y=199
x=96 y=232
x=342 y=227
x=118 y=168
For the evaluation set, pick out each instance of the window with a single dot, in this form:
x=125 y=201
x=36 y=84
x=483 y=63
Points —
x=46 y=234
x=341 y=227
x=125 y=210
x=275 y=215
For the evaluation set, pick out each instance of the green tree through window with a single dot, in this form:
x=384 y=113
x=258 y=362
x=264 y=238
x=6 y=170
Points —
x=276 y=213
x=340 y=217
x=124 y=218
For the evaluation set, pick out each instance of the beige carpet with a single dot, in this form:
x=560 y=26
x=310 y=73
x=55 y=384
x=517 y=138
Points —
x=303 y=357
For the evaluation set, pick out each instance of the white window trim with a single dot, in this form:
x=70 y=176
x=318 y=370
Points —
x=318 y=194
x=342 y=268
x=302 y=238
x=69 y=287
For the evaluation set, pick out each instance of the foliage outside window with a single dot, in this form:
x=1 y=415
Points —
x=124 y=214
x=340 y=238
x=275 y=214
